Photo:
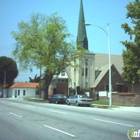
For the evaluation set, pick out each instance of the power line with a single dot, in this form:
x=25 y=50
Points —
x=117 y=21
x=105 y=26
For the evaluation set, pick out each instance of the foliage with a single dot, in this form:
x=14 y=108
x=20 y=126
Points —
x=8 y=70
x=86 y=89
x=131 y=55
x=45 y=42
x=35 y=80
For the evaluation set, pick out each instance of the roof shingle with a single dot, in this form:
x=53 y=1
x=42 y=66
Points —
x=24 y=85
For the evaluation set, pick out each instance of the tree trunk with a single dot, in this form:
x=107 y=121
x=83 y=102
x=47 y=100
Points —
x=48 y=79
x=40 y=83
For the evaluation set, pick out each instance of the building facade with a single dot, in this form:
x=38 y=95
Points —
x=87 y=76
x=82 y=76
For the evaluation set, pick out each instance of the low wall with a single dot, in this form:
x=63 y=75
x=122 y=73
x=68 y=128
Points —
x=104 y=98
x=126 y=99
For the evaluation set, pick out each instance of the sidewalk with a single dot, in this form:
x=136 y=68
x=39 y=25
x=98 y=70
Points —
x=130 y=109
x=122 y=108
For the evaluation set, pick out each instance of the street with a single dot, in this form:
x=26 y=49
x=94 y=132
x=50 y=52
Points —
x=24 y=120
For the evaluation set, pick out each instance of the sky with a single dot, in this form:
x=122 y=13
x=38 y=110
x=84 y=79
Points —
x=97 y=12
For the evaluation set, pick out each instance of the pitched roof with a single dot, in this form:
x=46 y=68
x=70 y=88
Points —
x=24 y=85
x=104 y=70
x=102 y=59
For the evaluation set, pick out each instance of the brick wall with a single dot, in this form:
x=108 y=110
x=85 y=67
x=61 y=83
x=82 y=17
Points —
x=103 y=98
x=60 y=88
x=132 y=99
x=115 y=79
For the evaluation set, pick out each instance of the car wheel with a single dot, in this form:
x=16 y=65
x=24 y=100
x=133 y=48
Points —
x=68 y=103
x=77 y=104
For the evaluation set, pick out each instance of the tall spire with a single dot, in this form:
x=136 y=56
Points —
x=82 y=35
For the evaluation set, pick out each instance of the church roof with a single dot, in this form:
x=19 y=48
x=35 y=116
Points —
x=102 y=59
x=104 y=70
x=82 y=35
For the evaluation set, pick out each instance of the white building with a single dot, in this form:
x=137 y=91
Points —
x=24 y=90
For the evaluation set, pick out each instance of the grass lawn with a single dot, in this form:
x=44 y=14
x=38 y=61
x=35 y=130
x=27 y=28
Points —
x=101 y=102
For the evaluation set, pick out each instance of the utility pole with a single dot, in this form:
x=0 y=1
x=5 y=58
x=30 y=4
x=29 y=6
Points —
x=4 y=81
x=109 y=59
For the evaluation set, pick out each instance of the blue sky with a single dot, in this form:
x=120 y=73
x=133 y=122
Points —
x=98 y=12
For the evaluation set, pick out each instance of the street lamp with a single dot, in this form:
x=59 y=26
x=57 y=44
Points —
x=109 y=58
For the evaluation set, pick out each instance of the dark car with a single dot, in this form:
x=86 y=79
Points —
x=58 y=98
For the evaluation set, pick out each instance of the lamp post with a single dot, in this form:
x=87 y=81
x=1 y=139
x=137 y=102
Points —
x=132 y=86
x=109 y=58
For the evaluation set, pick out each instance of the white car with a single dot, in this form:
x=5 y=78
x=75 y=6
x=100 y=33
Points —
x=79 y=100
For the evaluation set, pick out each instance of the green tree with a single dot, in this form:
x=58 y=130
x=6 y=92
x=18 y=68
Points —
x=8 y=70
x=131 y=55
x=36 y=79
x=45 y=42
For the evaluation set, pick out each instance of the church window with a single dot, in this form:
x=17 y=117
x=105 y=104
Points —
x=74 y=85
x=86 y=62
x=113 y=73
x=86 y=72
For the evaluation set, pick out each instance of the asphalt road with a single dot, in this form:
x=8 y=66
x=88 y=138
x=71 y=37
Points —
x=24 y=120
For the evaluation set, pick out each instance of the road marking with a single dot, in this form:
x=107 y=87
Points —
x=57 y=112
x=29 y=106
x=114 y=122
x=15 y=114
x=59 y=131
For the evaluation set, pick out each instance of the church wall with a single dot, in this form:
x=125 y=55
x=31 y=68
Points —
x=83 y=75
x=116 y=78
x=87 y=66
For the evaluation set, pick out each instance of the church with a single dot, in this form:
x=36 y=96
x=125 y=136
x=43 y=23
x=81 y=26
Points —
x=92 y=73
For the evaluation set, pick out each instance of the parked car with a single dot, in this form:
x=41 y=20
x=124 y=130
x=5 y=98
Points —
x=0 y=95
x=79 y=100
x=58 y=98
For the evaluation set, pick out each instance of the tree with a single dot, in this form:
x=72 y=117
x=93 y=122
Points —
x=8 y=70
x=35 y=80
x=44 y=42
x=131 y=55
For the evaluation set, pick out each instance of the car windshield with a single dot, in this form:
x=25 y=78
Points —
x=62 y=96
x=82 y=96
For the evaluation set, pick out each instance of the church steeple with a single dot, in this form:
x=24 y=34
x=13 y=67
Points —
x=82 y=35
